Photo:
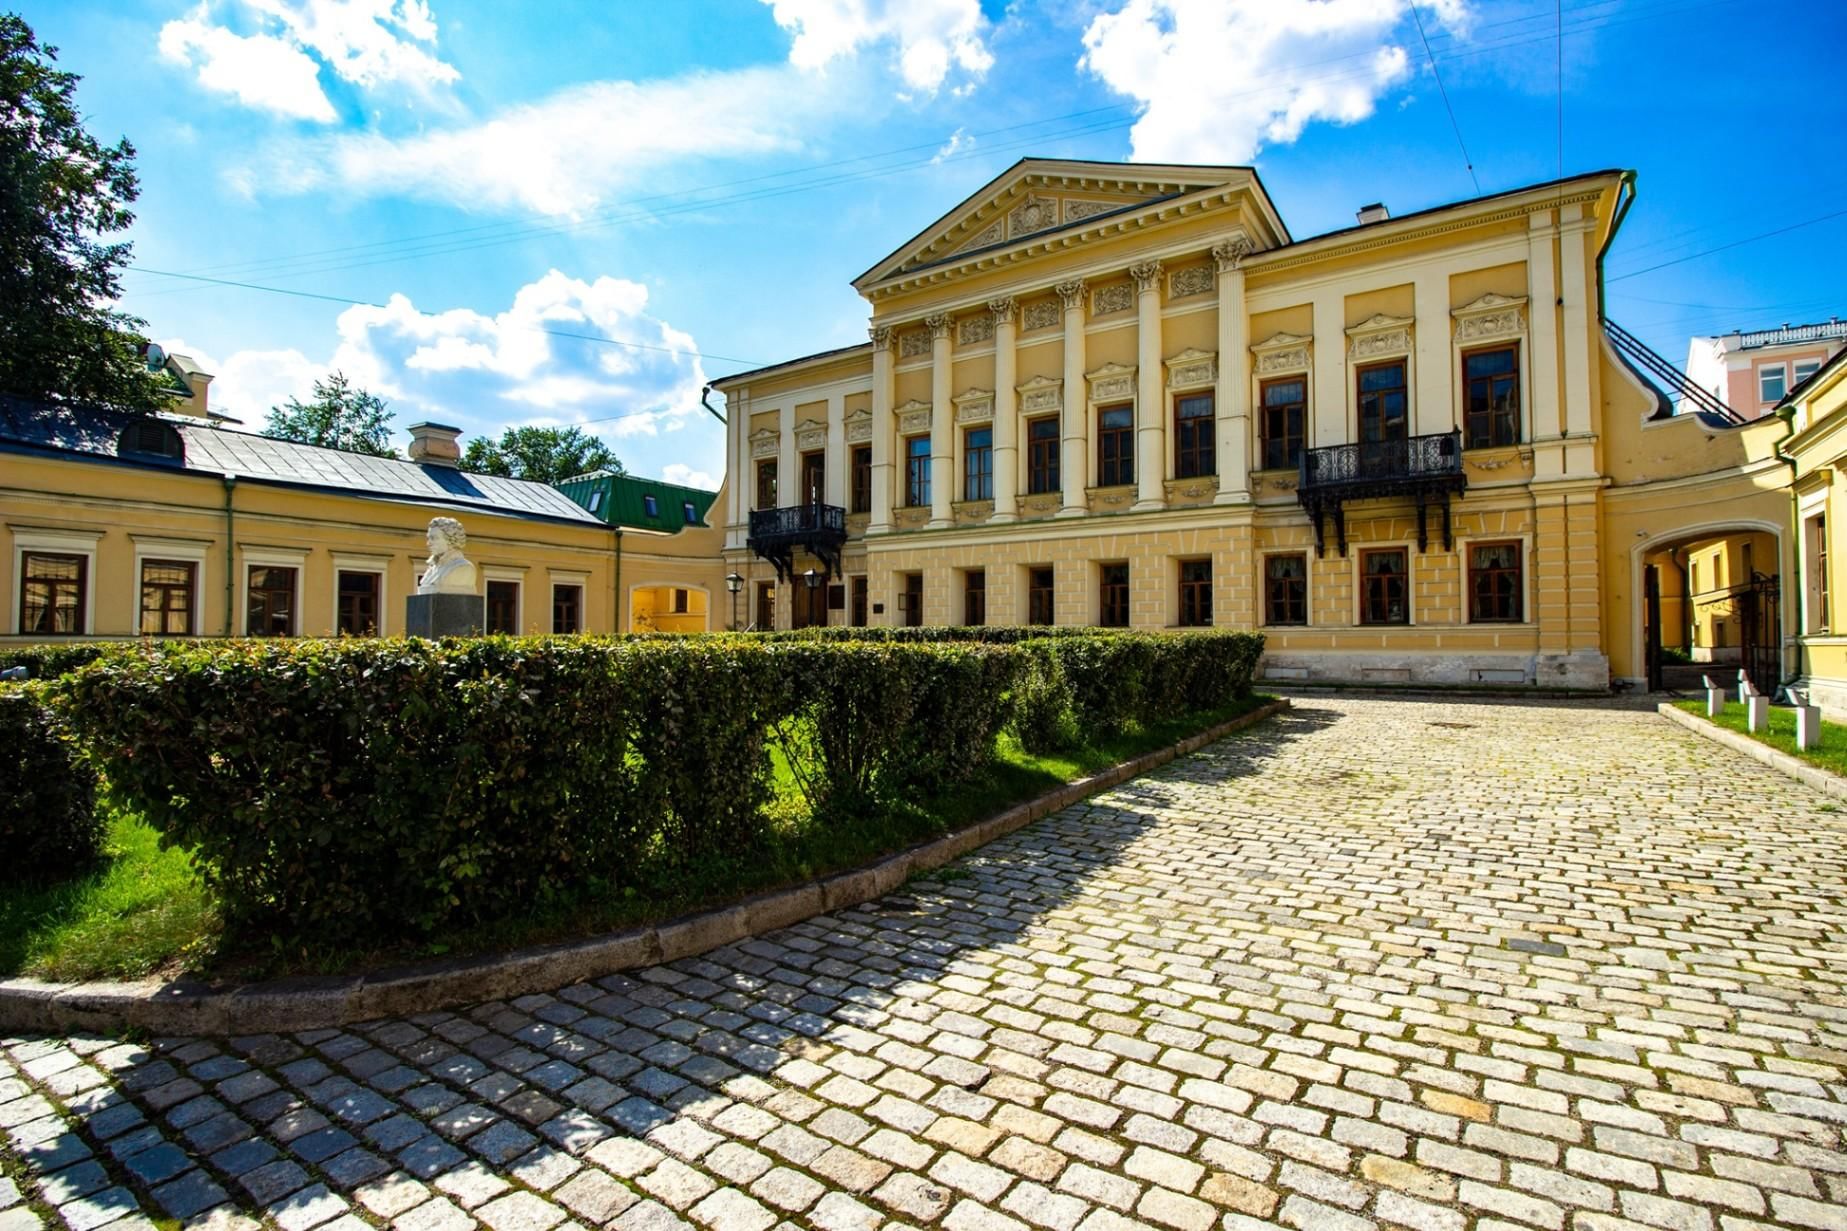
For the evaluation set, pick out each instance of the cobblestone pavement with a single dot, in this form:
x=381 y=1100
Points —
x=1428 y=965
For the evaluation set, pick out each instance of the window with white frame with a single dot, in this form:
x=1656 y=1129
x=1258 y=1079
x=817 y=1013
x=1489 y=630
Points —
x=1802 y=370
x=53 y=576
x=1772 y=382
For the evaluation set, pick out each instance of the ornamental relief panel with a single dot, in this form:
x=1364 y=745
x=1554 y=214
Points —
x=1116 y=297
x=1111 y=383
x=858 y=427
x=1193 y=280
x=765 y=442
x=914 y=417
x=1035 y=213
x=1041 y=393
x=1043 y=314
x=1491 y=318
x=1076 y=210
x=811 y=435
x=1380 y=336
x=993 y=233
x=1282 y=353
x=1192 y=368
x=913 y=342
x=973 y=330
x=974 y=406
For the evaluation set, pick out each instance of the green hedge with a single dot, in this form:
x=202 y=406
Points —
x=49 y=661
x=344 y=790
x=49 y=826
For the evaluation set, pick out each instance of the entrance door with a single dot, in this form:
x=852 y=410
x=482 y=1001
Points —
x=808 y=604
x=1385 y=421
x=1760 y=632
x=1651 y=625
x=766 y=606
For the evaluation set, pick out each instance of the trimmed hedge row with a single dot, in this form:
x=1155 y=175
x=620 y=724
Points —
x=344 y=790
x=49 y=827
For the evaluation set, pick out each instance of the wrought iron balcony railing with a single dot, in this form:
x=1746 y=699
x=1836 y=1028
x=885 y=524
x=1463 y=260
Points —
x=816 y=528
x=1383 y=463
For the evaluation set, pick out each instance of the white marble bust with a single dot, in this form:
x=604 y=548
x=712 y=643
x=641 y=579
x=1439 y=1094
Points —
x=449 y=571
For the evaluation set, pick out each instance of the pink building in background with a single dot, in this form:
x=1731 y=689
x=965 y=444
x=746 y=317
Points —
x=1750 y=372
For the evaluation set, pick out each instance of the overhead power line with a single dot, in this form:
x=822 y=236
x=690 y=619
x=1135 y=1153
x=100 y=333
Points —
x=1736 y=243
x=1454 y=126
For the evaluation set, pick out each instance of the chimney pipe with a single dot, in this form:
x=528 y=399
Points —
x=1376 y=212
x=435 y=444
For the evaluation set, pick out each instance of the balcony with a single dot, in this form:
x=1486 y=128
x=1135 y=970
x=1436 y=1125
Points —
x=818 y=529
x=1425 y=469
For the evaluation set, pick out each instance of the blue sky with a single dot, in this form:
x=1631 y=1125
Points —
x=706 y=177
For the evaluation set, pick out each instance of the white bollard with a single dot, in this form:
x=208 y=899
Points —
x=1808 y=726
x=1757 y=713
x=1745 y=689
x=1715 y=702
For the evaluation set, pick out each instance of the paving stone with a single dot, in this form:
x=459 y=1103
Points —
x=594 y=1196
x=520 y=1211
x=190 y=1194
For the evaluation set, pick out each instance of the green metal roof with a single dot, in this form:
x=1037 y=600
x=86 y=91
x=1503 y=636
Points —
x=637 y=503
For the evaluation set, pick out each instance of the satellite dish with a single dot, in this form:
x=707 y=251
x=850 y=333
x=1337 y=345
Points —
x=156 y=356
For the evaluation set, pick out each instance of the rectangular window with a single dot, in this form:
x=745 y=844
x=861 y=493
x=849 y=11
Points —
x=167 y=588
x=766 y=606
x=1383 y=403
x=1285 y=589
x=814 y=476
x=1285 y=410
x=917 y=472
x=271 y=609
x=1494 y=583
x=51 y=593
x=975 y=597
x=690 y=513
x=682 y=601
x=858 y=587
x=356 y=604
x=1039 y=596
x=766 y=485
x=1802 y=370
x=1385 y=592
x=1772 y=382
x=1821 y=573
x=1195 y=593
x=978 y=464
x=1042 y=455
x=1115 y=446
x=862 y=479
x=1113 y=596
x=567 y=608
x=1193 y=451
x=911 y=602
x=503 y=607
x=650 y=506
x=1491 y=397
x=596 y=500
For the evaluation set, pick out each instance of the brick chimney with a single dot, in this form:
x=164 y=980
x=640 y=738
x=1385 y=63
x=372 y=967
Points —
x=435 y=444
x=1376 y=212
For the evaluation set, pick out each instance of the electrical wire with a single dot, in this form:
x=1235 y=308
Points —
x=1454 y=126
x=1736 y=243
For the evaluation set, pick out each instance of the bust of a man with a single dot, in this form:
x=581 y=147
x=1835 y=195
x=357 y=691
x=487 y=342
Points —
x=449 y=572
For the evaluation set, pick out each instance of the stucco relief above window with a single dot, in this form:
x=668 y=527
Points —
x=1380 y=336
x=1193 y=280
x=764 y=442
x=811 y=435
x=974 y=406
x=913 y=342
x=1192 y=369
x=1108 y=300
x=1492 y=318
x=858 y=427
x=1041 y=393
x=1043 y=314
x=914 y=417
x=1113 y=382
x=1282 y=352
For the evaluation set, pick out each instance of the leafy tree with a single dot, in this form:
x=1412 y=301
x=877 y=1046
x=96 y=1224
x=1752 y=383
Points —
x=341 y=416
x=542 y=454
x=61 y=192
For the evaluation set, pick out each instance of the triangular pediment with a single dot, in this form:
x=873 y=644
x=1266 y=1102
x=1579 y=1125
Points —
x=1037 y=196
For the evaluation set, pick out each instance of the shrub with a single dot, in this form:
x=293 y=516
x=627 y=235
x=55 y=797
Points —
x=1044 y=708
x=49 y=826
x=49 y=661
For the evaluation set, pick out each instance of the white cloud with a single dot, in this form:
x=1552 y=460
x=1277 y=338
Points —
x=686 y=476
x=565 y=154
x=369 y=43
x=248 y=383
x=1220 y=79
x=932 y=36
x=260 y=71
x=959 y=140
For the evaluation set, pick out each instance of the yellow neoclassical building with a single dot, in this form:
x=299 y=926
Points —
x=115 y=525
x=1124 y=394
x=1816 y=413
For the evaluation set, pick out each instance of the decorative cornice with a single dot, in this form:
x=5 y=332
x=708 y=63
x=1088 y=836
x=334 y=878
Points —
x=1290 y=257
x=1282 y=353
x=1040 y=393
x=764 y=442
x=1192 y=368
x=913 y=417
x=1111 y=382
x=811 y=435
x=1490 y=318
x=857 y=427
x=1071 y=293
x=974 y=405
x=1380 y=334
x=1147 y=275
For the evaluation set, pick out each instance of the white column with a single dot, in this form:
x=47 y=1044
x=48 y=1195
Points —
x=1574 y=290
x=835 y=483
x=1151 y=390
x=883 y=431
x=1434 y=409
x=1074 y=466
x=1006 y=411
x=1231 y=398
x=788 y=480
x=737 y=465
x=942 y=426
x=1542 y=336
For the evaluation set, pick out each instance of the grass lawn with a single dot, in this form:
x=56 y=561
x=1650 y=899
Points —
x=142 y=911
x=145 y=912
x=1830 y=754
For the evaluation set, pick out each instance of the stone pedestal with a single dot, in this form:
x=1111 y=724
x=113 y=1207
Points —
x=1715 y=702
x=445 y=615
x=1757 y=713
x=1808 y=726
